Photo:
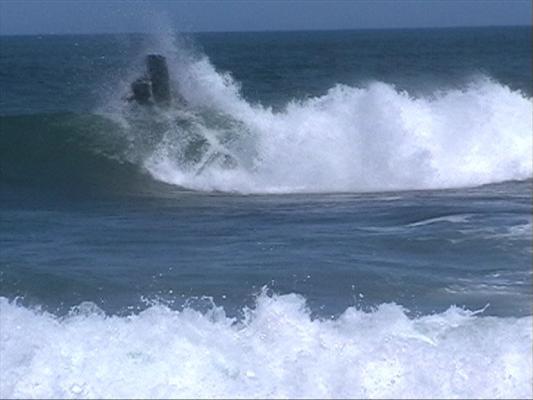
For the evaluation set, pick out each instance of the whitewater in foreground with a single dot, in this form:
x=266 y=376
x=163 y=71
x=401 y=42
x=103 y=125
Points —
x=278 y=351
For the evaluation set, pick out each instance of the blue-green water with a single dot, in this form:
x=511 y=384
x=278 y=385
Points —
x=305 y=192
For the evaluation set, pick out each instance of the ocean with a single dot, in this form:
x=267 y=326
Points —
x=341 y=214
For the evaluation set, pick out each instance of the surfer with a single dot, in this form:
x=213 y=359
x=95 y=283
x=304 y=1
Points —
x=154 y=86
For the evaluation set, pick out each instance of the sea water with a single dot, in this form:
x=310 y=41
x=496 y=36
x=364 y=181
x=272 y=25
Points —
x=317 y=214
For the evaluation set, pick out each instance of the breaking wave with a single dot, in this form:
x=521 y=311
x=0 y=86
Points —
x=351 y=139
x=277 y=350
x=374 y=138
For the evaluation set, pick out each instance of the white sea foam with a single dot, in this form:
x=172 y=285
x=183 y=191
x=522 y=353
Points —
x=367 y=138
x=453 y=219
x=277 y=351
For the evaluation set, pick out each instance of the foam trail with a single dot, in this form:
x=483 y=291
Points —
x=277 y=351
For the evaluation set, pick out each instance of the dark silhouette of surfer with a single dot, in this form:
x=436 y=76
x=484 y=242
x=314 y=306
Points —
x=154 y=86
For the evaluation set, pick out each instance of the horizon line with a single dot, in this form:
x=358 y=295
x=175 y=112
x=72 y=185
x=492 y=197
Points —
x=271 y=30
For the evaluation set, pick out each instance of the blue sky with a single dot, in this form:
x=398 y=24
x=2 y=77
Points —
x=114 y=16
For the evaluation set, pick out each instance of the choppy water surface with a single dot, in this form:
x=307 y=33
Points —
x=328 y=214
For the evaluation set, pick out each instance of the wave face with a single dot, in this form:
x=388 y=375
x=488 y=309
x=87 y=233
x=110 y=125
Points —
x=61 y=147
x=276 y=351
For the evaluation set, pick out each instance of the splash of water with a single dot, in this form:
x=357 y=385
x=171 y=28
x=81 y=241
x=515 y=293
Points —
x=350 y=139
x=277 y=351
